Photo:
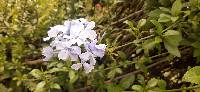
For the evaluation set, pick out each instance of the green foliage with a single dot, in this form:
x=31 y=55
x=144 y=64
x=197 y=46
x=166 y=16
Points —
x=114 y=88
x=192 y=75
x=176 y=8
x=141 y=23
x=159 y=27
x=153 y=85
x=132 y=46
x=40 y=87
x=138 y=88
x=126 y=82
x=171 y=40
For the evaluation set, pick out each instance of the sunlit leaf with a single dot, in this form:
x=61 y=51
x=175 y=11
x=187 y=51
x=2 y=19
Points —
x=55 y=85
x=152 y=82
x=126 y=82
x=171 y=41
x=40 y=87
x=164 y=18
x=159 y=27
x=176 y=8
x=141 y=23
x=192 y=75
x=138 y=88
x=36 y=73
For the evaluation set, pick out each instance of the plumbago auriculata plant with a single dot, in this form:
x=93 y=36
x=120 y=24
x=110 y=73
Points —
x=75 y=40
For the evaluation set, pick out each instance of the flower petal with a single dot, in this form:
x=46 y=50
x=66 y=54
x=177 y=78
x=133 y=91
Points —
x=88 y=67
x=47 y=52
x=63 y=55
x=85 y=56
x=76 y=66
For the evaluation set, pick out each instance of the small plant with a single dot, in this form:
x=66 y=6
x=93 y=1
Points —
x=72 y=41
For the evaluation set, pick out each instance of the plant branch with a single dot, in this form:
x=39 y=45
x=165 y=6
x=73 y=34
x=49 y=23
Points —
x=181 y=89
x=157 y=62
x=125 y=18
x=38 y=61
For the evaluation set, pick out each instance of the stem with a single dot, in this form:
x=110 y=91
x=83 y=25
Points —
x=3 y=27
x=156 y=62
x=130 y=63
x=181 y=89
x=123 y=19
x=147 y=37
x=118 y=47
x=170 y=26
x=129 y=43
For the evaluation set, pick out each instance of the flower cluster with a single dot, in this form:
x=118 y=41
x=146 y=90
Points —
x=75 y=40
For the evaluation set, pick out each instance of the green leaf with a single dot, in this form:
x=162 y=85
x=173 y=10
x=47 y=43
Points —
x=72 y=76
x=129 y=23
x=138 y=88
x=197 y=90
x=118 y=70
x=164 y=18
x=165 y=9
x=174 y=19
x=36 y=73
x=40 y=87
x=172 y=49
x=141 y=66
x=196 y=44
x=162 y=84
x=141 y=79
x=126 y=82
x=192 y=75
x=122 y=55
x=113 y=72
x=55 y=85
x=150 y=44
x=171 y=40
x=3 y=88
x=176 y=8
x=159 y=27
x=53 y=70
x=114 y=88
x=141 y=23
x=152 y=83
x=155 y=14
x=195 y=3
x=164 y=2
x=173 y=36
x=196 y=52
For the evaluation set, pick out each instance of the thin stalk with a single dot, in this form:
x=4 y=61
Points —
x=181 y=89
x=144 y=38
x=125 y=18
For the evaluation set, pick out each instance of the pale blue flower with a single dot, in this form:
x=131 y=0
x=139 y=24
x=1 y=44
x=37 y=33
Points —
x=75 y=40
x=90 y=34
x=75 y=50
x=67 y=54
x=90 y=25
x=48 y=53
x=97 y=50
x=63 y=54
x=85 y=56
x=88 y=67
x=76 y=66
x=88 y=56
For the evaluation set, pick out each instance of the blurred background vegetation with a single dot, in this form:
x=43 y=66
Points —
x=143 y=40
